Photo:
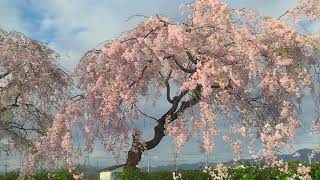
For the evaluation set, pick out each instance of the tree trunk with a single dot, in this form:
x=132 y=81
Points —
x=177 y=108
x=137 y=148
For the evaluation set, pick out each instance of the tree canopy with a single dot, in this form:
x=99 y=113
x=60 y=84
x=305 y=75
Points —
x=230 y=65
x=32 y=86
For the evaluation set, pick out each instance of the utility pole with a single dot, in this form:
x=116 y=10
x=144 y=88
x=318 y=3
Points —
x=175 y=154
x=6 y=165
x=207 y=159
x=98 y=164
x=148 y=162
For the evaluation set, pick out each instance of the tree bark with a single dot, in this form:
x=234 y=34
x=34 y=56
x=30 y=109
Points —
x=137 y=148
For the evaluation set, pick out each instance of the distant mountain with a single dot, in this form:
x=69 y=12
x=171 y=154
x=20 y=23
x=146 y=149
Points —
x=89 y=170
x=304 y=154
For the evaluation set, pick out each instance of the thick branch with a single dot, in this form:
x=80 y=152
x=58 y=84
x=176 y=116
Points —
x=190 y=57
x=185 y=105
x=173 y=113
x=183 y=68
x=5 y=74
x=77 y=97
x=166 y=81
x=179 y=65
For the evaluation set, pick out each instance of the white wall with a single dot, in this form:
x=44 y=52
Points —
x=110 y=175
x=105 y=175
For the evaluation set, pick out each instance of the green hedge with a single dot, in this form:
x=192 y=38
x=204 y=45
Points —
x=249 y=172
x=130 y=174
x=40 y=176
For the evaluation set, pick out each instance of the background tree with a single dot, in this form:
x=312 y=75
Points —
x=229 y=65
x=32 y=86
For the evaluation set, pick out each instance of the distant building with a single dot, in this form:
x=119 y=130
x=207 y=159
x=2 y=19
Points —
x=109 y=173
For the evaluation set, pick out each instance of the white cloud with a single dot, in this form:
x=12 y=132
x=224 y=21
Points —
x=81 y=25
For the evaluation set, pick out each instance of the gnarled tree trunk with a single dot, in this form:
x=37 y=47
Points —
x=177 y=108
x=137 y=148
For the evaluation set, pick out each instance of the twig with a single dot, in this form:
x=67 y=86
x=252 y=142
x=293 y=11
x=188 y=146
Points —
x=145 y=113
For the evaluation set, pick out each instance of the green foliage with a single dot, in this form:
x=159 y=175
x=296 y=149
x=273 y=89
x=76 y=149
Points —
x=55 y=176
x=245 y=172
x=130 y=174
x=41 y=176
x=10 y=176
x=315 y=171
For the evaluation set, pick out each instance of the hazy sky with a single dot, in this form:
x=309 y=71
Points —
x=71 y=27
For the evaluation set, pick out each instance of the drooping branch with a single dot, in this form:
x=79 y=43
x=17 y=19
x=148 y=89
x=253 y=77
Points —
x=136 y=15
x=144 y=113
x=5 y=74
x=145 y=36
x=283 y=14
x=163 y=21
x=140 y=77
x=38 y=111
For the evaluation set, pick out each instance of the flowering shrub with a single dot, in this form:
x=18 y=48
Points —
x=176 y=176
x=219 y=173
x=280 y=171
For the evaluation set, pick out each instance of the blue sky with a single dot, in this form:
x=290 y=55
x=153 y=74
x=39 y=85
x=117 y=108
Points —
x=71 y=27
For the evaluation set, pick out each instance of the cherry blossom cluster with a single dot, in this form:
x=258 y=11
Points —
x=32 y=87
x=272 y=140
x=220 y=172
x=176 y=176
x=179 y=131
x=303 y=171
x=309 y=8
